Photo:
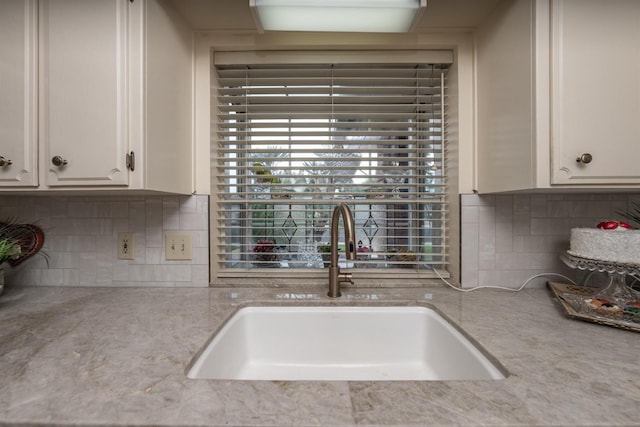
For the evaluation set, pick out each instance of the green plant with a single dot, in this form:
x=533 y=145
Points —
x=19 y=242
x=632 y=215
x=325 y=253
x=324 y=249
x=8 y=250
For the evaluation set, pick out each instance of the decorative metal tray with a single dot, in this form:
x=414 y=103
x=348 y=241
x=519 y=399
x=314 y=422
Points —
x=573 y=300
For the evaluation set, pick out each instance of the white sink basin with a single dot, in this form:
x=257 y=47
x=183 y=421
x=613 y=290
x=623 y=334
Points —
x=341 y=344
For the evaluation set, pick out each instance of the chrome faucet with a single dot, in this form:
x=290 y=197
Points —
x=335 y=277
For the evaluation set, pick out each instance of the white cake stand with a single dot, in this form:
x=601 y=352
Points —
x=617 y=290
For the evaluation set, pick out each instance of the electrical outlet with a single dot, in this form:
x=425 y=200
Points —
x=126 y=246
x=178 y=246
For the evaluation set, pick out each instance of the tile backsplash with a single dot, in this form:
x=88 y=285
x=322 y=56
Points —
x=81 y=239
x=506 y=239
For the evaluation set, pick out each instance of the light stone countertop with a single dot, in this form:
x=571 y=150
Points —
x=117 y=356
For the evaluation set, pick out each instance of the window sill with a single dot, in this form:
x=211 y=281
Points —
x=397 y=278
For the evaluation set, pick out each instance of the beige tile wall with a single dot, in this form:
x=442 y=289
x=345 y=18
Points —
x=81 y=240
x=507 y=239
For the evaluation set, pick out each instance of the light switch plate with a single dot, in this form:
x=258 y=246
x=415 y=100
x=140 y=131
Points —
x=178 y=246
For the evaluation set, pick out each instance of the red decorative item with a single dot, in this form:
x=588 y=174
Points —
x=612 y=225
x=265 y=250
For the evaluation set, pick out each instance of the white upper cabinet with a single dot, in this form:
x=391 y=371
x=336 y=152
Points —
x=559 y=95
x=83 y=103
x=18 y=93
x=596 y=92
x=161 y=97
x=112 y=93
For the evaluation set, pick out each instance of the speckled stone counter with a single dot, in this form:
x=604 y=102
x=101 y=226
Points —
x=89 y=356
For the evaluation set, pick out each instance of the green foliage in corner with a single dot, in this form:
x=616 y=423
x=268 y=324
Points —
x=632 y=215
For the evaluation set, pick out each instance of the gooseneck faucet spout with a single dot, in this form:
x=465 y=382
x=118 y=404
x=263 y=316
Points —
x=335 y=277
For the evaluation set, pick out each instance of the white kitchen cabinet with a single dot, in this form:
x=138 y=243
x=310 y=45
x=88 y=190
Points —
x=161 y=97
x=595 y=91
x=115 y=97
x=558 y=79
x=18 y=93
x=83 y=91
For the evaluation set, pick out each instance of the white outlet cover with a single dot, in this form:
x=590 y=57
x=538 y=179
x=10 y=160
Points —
x=126 y=246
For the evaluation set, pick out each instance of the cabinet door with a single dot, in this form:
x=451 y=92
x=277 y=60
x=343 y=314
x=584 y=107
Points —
x=596 y=91
x=18 y=93
x=83 y=102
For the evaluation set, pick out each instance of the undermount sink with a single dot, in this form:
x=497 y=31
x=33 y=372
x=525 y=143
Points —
x=340 y=343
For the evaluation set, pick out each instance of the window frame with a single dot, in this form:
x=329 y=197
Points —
x=317 y=57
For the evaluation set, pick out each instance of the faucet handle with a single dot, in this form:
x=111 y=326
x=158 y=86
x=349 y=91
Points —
x=345 y=278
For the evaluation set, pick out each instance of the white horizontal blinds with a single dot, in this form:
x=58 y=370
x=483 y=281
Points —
x=296 y=139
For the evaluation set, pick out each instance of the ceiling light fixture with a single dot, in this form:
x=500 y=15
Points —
x=376 y=16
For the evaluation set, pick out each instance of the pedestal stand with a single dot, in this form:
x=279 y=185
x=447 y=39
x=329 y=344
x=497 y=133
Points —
x=617 y=290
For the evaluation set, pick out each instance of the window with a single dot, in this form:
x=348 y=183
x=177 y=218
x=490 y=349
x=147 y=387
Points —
x=292 y=140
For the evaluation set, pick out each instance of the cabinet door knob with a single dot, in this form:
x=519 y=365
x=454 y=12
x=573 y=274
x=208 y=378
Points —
x=58 y=161
x=585 y=158
x=4 y=162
